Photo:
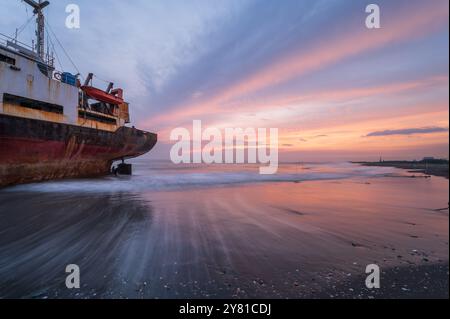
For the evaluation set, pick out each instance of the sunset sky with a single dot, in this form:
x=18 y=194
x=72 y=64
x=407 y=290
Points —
x=334 y=89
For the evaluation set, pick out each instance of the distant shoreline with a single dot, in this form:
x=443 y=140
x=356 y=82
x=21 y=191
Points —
x=428 y=167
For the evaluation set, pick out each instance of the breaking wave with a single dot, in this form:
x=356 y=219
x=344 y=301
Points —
x=166 y=176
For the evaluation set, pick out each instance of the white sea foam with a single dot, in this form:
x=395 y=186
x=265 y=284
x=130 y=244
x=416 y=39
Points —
x=165 y=176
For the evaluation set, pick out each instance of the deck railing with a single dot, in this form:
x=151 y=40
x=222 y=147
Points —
x=26 y=49
x=4 y=41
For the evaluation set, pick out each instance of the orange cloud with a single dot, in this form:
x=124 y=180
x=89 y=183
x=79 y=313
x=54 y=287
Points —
x=286 y=111
x=352 y=135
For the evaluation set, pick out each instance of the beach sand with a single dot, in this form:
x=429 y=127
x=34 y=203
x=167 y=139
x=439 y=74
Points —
x=270 y=240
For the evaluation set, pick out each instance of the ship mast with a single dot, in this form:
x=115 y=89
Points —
x=40 y=20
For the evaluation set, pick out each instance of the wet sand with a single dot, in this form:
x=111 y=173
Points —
x=272 y=240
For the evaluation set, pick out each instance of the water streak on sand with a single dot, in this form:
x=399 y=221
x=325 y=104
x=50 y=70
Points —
x=173 y=232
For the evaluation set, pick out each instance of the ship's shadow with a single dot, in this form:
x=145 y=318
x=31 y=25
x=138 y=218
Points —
x=42 y=233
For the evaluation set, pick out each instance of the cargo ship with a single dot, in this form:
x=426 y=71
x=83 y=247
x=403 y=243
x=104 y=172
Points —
x=52 y=125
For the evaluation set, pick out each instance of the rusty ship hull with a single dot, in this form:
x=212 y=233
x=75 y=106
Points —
x=34 y=150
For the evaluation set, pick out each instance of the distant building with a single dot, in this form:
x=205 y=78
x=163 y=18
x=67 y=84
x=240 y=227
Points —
x=428 y=158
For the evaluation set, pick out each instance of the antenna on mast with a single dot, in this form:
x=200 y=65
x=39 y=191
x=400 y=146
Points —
x=40 y=31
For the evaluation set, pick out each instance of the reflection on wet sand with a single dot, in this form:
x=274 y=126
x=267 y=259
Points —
x=308 y=239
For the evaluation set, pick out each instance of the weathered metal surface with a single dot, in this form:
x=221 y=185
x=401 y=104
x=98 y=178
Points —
x=31 y=83
x=97 y=125
x=124 y=113
x=20 y=111
x=13 y=174
x=35 y=150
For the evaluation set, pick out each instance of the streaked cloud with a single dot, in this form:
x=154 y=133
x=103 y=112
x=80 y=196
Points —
x=409 y=131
